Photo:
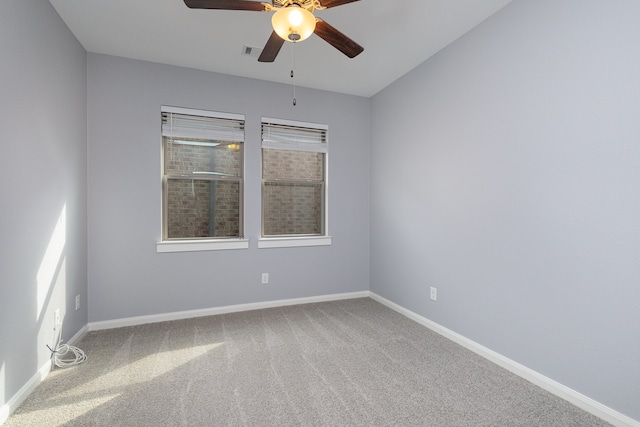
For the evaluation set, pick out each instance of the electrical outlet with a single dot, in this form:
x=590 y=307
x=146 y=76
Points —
x=434 y=294
x=56 y=319
x=265 y=278
x=77 y=302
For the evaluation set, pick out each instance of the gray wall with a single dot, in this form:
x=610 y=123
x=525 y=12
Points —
x=504 y=171
x=518 y=153
x=126 y=275
x=42 y=171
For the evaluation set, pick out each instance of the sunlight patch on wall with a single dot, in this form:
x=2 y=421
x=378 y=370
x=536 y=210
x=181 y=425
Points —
x=3 y=385
x=50 y=262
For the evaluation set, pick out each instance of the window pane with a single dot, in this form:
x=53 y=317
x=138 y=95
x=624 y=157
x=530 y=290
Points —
x=292 y=208
x=190 y=156
x=200 y=208
x=292 y=165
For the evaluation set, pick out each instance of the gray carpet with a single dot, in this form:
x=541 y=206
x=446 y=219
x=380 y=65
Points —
x=343 y=363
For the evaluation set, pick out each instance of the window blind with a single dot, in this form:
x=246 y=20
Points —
x=290 y=137
x=179 y=125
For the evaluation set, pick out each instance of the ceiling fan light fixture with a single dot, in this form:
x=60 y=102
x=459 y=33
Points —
x=293 y=23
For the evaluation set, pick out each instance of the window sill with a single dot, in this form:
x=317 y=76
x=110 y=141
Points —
x=293 y=242
x=201 y=245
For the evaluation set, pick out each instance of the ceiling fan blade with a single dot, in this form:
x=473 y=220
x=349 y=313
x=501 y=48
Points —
x=226 y=5
x=334 y=3
x=336 y=39
x=272 y=48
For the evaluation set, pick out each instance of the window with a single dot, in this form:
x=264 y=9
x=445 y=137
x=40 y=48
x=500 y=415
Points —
x=202 y=183
x=294 y=179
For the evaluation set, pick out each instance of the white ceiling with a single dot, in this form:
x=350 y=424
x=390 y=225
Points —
x=397 y=36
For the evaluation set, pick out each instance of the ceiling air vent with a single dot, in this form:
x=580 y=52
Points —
x=251 y=51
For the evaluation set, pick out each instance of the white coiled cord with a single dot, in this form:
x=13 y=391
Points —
x=64 y=355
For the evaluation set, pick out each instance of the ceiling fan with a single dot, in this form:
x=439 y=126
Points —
x=293 y=21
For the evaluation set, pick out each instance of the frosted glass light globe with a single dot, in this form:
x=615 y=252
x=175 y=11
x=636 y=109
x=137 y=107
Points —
x=293 y=23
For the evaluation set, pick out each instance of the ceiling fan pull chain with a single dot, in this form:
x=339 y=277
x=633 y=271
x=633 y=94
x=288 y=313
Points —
x=293 y=74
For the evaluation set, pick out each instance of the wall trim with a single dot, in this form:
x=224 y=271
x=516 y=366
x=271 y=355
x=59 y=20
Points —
x=201 y=245
x=580 y=400
x=79 y=335
x=293 y=242
x=165 y=317
x=8 y=408
x=17 y=399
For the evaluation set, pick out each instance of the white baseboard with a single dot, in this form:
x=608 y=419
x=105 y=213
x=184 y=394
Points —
x=164 y=317
x=554 y=387
x=8 y=408
x=581 y=401
x=79 y=335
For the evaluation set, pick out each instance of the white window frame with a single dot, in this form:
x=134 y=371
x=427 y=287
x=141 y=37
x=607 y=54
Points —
x=201 y=244
x=298 y=241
